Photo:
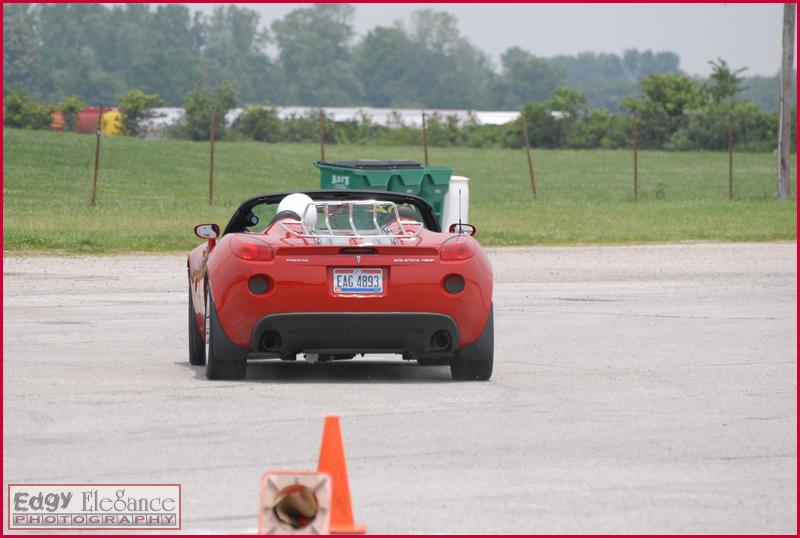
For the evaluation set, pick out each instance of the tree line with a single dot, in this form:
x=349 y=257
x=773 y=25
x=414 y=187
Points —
x=309 y=57
x=673 y=111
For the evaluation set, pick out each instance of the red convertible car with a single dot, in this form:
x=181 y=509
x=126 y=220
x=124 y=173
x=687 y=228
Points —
x=333 y=274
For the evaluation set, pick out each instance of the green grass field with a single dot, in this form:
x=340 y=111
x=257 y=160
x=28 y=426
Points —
x=152 y=192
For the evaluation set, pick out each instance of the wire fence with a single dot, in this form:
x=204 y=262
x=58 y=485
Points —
x=540 y=184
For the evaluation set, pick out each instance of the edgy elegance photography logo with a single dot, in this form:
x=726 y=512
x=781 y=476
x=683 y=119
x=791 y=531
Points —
x=94 y=506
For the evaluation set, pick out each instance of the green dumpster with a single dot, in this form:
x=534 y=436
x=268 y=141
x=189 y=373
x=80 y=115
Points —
x=428 y=182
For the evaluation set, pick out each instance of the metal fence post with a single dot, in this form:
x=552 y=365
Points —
x=635 y=157
x=211 y=164
x=321 y=135
x=425 y=138
x=730 y=156
x=528 y=151
x=97 y=155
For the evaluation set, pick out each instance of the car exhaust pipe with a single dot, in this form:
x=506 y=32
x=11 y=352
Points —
x=270 y=341
x=441 y=341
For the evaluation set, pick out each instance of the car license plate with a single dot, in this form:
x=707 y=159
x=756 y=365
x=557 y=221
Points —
x=358 y=280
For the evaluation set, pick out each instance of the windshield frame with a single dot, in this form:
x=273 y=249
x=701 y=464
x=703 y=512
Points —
x=239 y=224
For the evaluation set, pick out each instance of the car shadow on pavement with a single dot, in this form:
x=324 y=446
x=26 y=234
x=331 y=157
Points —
x=352 y=371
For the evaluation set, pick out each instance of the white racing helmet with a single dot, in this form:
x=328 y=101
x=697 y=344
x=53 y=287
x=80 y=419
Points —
x=298 y=202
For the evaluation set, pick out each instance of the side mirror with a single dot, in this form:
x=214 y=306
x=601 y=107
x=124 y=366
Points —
x=457 y=228
x=207 y=231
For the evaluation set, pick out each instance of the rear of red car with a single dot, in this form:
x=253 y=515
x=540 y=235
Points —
x=432 y=297
x=338 y=275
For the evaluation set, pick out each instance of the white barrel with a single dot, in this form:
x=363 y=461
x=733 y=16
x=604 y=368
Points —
x=451 y=202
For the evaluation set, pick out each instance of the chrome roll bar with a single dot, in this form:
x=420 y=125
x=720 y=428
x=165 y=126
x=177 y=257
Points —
x=377 y=231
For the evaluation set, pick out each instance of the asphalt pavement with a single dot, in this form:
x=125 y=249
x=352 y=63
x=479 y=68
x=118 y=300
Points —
x=637 y=389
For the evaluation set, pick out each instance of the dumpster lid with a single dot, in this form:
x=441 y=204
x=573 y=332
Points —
x=365 y=164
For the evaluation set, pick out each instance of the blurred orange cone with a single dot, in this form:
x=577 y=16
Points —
x=331 y=461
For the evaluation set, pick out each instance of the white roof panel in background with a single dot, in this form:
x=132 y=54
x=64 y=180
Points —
x=411 y=117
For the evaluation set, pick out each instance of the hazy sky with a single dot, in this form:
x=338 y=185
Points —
x=743 y=34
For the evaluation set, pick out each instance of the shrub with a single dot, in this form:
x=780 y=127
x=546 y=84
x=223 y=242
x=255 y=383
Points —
x=302 y=128
x=542 y=129
x=357 y=130
x=70 y=107
x=137 y=106
x=24 y=112
x=200 y=105
x=707 y=128
x=590 y=132
x=444 y=132
x=619 y=133
x=260 y=123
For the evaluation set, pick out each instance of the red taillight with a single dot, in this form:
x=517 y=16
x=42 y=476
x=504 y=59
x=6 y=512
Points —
x=457 y=248
x=251 y=249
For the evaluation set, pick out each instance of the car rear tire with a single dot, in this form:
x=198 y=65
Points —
x=475 y=362
x=217 y=365
x=197 y=351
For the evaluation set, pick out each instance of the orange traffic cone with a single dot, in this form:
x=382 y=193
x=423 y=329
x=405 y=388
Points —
x=331 y=461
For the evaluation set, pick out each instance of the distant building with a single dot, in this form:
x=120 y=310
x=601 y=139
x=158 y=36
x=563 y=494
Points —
x=390 y=117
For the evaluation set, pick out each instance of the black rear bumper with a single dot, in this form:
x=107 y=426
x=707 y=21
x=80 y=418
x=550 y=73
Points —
x=355 y=332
